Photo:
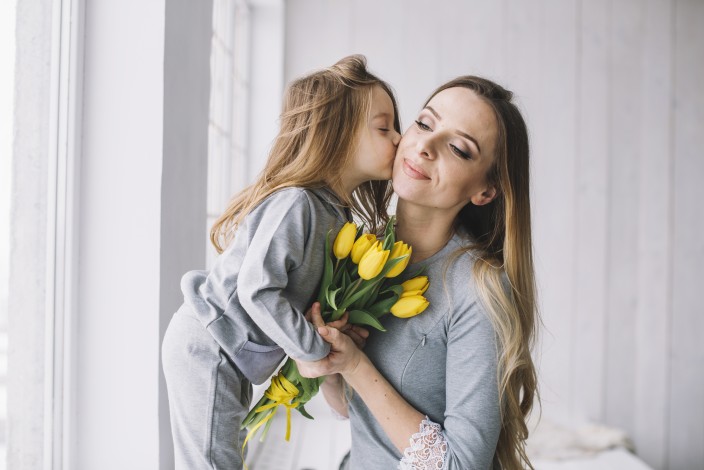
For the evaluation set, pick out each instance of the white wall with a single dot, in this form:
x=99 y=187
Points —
x=142 y=215
x=28 y=238
x=142 y=90
x=612 y=94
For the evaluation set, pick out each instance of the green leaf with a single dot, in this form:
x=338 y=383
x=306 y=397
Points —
x=397 y=289
x=346 y=279
x=367 y=298
x=337 y=314
x=383 y=306
x=367 y=285
x=330 y=296
x=327 y=273
x=266 y=429
x=390 y=233
x=303 y=411
x=360 y=317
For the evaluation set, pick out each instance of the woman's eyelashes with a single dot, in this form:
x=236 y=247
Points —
x=422 y=126
x=460 y=153
x=466 y=155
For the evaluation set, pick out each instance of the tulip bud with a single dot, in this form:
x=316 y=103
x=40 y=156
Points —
x=344 y=240
x=363 y=243
x=399 y=249
x=373 y=261
x=419 y=283
x=410 y=306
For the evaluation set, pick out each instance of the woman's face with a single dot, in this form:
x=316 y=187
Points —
x=443 y=158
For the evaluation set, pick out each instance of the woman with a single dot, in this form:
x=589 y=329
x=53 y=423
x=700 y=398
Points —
x=452 y=387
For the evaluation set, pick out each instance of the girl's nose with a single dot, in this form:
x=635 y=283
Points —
x=396 y=138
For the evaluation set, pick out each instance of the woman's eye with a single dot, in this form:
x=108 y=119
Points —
x=460 y=153
x=383 y=129
x=422 y=125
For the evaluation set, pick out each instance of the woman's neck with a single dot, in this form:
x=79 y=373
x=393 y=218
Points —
x=427 y=230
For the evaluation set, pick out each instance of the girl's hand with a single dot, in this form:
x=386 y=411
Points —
x=357 y=333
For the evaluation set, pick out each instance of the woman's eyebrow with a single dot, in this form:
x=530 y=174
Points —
x=457 y=131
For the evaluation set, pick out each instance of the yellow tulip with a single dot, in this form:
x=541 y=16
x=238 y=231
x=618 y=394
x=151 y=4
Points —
x=419 y=283
x=344 y=240
x=373 y=261
x=363 y=243
x=399 y=249
x=411 y=293
x=407 y=307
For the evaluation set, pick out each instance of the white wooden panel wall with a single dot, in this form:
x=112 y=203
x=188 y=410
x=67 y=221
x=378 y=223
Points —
x=686 y=413
x=612 y=92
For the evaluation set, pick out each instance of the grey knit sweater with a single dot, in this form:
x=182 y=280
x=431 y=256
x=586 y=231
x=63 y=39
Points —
x=444 y=363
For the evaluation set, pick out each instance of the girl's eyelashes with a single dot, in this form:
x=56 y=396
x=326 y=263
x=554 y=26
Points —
x=423 y=126
x=460 y=153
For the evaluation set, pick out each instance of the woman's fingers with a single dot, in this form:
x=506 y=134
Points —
x=360 y=331
x=314 y=315
x=340 y=324
x=359 y=341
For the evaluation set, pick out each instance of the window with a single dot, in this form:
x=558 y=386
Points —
x=7 y=71
x=229 y=98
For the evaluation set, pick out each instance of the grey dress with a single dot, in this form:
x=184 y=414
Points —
x=444 y=363
x=241 y=318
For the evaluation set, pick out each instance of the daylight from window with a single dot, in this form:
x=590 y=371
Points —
x=7 y=61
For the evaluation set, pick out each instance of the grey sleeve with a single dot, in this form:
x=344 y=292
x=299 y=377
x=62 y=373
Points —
x=278 y=235
x=472 y=415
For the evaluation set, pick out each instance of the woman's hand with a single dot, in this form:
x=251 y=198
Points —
x=358 y=334
x=344 y=354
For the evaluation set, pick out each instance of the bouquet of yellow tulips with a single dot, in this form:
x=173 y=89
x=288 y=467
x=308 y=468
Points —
x=359 y=279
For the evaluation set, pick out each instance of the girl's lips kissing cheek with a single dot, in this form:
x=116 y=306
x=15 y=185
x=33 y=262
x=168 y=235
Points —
x=414 y=172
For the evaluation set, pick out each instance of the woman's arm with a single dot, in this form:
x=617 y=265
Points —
x=467 y=437
x=333 y=386
x=398 y=419
x=334 y=393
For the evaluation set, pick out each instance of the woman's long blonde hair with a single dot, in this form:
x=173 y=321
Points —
x=504 y=272
x=323 y=114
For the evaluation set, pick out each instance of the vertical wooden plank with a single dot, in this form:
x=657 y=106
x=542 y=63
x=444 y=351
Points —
x=686 y=440
x=621 y=293
x=591 y=209
x=375 y=32
x=654 y=241
x=317 y=35
x=419 y=59
x=553 y=168
x=472 y=38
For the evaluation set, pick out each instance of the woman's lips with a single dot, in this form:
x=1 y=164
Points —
x=414 y=172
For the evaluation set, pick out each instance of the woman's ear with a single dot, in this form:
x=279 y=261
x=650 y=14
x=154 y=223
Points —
x=485 y=197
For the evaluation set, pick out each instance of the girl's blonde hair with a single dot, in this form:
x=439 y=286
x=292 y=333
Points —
x=503 y=270
x=322 y=117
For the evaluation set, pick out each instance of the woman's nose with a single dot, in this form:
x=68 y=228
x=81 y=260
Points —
x=424 y=147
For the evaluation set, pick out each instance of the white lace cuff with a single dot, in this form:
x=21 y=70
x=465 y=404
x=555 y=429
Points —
x=427 y=450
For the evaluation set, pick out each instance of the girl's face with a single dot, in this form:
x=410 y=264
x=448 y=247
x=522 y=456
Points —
x=377 y=141
x=443 y=158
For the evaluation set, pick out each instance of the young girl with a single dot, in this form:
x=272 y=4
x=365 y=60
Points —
x=332 y=157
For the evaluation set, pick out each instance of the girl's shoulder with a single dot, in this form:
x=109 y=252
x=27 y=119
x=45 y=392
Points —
x=308 y=204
